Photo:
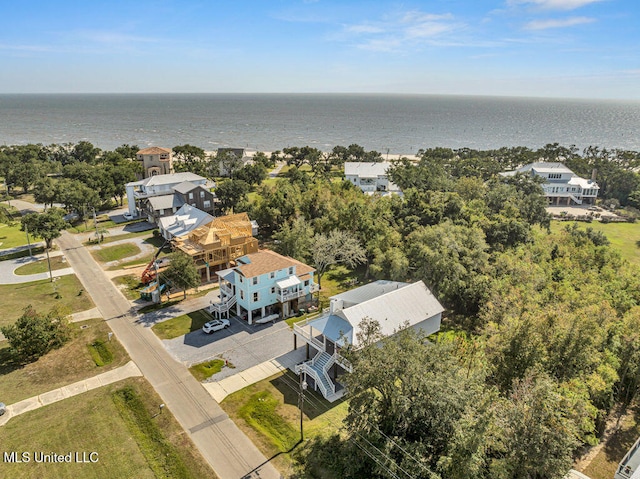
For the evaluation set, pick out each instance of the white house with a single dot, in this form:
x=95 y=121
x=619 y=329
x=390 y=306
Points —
x=173 y=188
x=629 y=467
x=392 y=304
x=561 y=185
x=370 y=177
x=186 y=219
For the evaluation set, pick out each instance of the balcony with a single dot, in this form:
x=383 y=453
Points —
x=285 y=295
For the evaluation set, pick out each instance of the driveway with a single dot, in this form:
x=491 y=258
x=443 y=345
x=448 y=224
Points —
x=242 y=345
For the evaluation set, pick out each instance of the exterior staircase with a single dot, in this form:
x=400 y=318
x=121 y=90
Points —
x=223 y=306
x=576 y=199
x=318 y=369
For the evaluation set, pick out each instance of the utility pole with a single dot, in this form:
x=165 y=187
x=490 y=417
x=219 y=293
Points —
x=26 y=230
x=303 y=388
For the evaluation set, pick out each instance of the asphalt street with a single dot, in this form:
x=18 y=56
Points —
x=229 y=452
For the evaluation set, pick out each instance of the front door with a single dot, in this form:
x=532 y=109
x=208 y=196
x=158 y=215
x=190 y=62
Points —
x=285 y=310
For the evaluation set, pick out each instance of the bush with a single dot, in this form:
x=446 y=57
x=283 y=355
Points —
x=34 y=335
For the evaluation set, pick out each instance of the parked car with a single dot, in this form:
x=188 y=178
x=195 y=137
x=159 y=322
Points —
x=3 y=408
x=128 y=216
x=215 y=325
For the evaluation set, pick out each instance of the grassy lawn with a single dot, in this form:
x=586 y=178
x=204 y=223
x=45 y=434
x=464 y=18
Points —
x=22 y=254
x=122 y=429
x=57 y=262
x=130 y=285
x=175 y=327
x=11 y=236
x=268 y=413
x=115 y=252
x=207 y=369
x=110 y=239
x=42 y=296
x=623 y=236
x=66 y=365
x=604 y=465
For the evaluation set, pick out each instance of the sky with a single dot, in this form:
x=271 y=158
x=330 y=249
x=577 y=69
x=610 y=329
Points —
x=534 y=48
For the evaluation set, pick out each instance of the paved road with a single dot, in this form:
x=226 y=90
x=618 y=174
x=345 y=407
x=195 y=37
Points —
x=229 y=452
x=243 y=345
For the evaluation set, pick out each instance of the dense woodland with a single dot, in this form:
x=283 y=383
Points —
x=541 y=340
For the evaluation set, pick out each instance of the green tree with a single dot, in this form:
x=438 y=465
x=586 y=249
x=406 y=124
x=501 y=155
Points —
x=538 y=434
x=182 y=272
x=295 y=240
x=253 y=174
x=46 y=225
x=337 y=247
x=232 y=194
x=34 y=334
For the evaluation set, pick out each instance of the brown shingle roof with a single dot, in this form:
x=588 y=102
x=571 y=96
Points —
x=265 y=261
x=154 y=150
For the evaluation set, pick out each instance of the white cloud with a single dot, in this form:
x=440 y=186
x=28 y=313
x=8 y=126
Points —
x=402 y=30
x=554 y=4
x=558 y=23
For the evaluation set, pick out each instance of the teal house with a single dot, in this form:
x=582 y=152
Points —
x=264 y=286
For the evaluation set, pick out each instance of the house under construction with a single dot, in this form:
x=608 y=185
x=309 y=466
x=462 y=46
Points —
x=213 y=246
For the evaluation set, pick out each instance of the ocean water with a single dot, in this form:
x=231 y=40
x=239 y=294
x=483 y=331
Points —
x=398 y=124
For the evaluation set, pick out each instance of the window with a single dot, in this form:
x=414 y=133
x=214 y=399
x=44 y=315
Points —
x=256 y=297
x=207 y=204
x=273 y=290
x=306 y=283
x=555 y=176
x=201 y=194
x=291 y=270
x=161 y=212
x=254 y=280
x=241 y=294
x=241 y=280
x=272 y=275
x=190 y=196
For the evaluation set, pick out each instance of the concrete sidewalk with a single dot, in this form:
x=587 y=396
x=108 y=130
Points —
x=221 y=389
x=128 y=370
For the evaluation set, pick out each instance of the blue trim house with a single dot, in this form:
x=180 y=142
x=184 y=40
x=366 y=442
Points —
x=265 y=285
x=392 y=304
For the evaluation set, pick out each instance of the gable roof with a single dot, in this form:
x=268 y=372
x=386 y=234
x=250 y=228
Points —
x=367 y=292
x=410 y=305
x=186 y=219
x=185 y=187
x=176 y=178
x=366 y=169
x=164 y=202
x=266 y=261
x=153 y=150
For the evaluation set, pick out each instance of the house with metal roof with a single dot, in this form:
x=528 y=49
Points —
x=561 y=185
x=392 y=304
x=370 y=177
x=185 y=220
x=162 y=195
x=265 y=285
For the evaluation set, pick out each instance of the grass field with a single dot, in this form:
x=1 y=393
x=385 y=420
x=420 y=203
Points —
x=115 y=252
x=42 y=296
x=110 y=239
x=130 y=285
x=57 y=262
x=268 y=413
x=175 y=327
x=66 y=365
x=207 y=369
x=623 y=236
x=117 y=422
x=11 y=236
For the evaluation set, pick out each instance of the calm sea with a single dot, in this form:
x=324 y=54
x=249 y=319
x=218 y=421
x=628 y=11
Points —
x=267 y=122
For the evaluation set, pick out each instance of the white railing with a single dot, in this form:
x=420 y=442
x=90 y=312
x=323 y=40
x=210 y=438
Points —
x=226 y=289
x=222 y=306
x=342 y=362
x=304 y=367
x=288 y=295
x=308 y=337
x=576 y=199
